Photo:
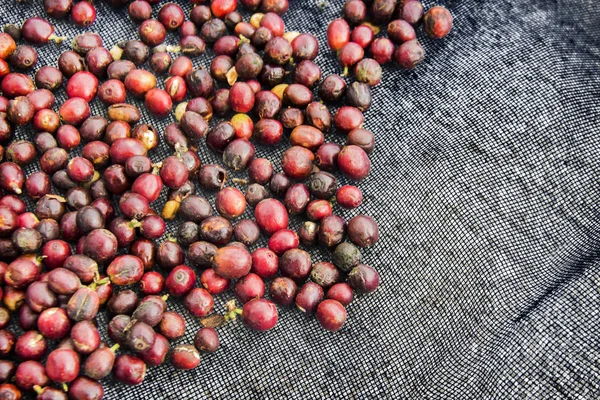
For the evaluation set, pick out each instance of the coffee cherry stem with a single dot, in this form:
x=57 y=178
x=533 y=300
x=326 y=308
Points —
x=94 y=285
x=134 y=223
x=115 y=347
x=239 y=181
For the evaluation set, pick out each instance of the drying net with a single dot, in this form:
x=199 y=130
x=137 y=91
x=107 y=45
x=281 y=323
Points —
x=485 y=184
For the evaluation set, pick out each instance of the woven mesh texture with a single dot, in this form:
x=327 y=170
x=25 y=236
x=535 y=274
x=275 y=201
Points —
x=485 y=184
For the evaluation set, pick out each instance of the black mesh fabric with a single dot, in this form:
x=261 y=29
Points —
x=485 y=185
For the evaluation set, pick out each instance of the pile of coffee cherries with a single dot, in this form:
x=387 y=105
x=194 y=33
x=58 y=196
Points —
x=366 y=16
x=93 y=243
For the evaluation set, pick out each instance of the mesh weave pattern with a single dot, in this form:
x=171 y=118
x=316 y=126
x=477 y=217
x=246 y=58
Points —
x=484 y=182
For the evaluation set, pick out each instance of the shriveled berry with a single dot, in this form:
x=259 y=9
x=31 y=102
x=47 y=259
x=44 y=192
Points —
x=409 y=54
x=119 y=69
x=325 y=274
x=194 y=125
x=83 y=266
x=255 y=193
x=297 y=95
x=150 y=310
x=359 y=95
x=291 y=117
x=136 y=51
x=116 y=180
x=332 y=230
x=248 y=66
x=207 y=340
x=62 y=281
x=246 y=231
x=354 y=11
x=123 y=302
x=305 y=47
x=98 y=60
x=20 y=110
x=437 y=22
x=140 y=336
x=23 y=58
x=169 y=255
x=238 y=154
x=411 y=12
x=332 y=88
x=363 y=279
x=83 y=304
x=297 y=198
